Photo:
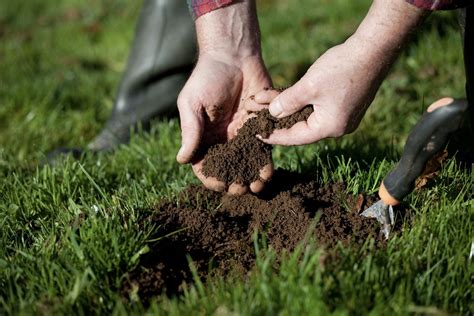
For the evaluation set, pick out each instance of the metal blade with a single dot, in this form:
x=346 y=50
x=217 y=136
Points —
x=384 y=215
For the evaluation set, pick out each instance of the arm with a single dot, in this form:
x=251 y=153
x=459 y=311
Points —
x=229 y=70
x=230 y=34
x=342 y=83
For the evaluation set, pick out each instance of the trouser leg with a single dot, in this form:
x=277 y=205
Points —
x=161 y=59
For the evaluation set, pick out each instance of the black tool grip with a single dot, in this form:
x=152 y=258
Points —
x=426 y=139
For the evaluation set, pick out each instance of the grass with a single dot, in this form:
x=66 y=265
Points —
x=69 y=234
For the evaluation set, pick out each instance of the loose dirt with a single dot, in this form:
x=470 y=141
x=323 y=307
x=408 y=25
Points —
x=217 y=231
x=241 y=159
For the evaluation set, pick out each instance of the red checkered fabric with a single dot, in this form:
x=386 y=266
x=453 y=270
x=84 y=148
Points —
x=440 y=4
x=200 y=7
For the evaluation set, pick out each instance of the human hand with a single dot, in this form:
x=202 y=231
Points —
x=212 y=109
x=343 y=82
x=340 y=85
x=230 y=69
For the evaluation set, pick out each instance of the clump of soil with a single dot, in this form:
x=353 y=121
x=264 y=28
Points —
x=241 y=159
x=217 y=230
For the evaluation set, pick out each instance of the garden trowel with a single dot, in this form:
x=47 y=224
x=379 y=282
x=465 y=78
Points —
x=427 y=138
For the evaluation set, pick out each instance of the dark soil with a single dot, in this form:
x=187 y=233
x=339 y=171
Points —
x=217 y=230
x=241 y=159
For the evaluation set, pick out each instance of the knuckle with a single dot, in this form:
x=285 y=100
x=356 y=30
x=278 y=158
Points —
x=289 y=101
x=310 y=85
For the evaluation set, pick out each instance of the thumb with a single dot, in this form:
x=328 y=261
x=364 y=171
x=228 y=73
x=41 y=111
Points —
x=290 y=101
x=191 y=133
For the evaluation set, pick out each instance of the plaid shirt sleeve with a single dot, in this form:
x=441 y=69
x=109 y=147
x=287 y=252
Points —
x=440 y=4
x=200 y=7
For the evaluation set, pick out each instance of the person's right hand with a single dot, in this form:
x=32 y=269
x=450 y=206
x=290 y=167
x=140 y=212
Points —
x=229 y=71
x=211 y=107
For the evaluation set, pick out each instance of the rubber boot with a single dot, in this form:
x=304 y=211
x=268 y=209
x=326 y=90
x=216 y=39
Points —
x=160 y=62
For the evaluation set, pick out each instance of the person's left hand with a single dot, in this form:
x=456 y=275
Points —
x=211 y=107
x=340 y=85
x=342 y=82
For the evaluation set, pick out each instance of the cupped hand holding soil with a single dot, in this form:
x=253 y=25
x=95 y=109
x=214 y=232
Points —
x=245 y=161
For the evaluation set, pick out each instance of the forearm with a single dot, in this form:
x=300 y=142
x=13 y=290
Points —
x=389 y=23
x=230 y=33
x=386 y=28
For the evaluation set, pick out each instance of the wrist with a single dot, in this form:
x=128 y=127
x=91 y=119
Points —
x=230 y=34
x=231 y=59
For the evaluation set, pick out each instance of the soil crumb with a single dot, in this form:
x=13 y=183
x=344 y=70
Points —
x=241 y=159
x=217 y=230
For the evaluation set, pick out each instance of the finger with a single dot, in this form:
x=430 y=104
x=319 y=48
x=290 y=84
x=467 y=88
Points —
x=266 y=96
x=211 y=183
x=237 y=189
x=257 y=186
x=244 y=119
x=301 y=133
x=191 y=132
x=261 y=100
x=265 y=175
x=266 y=172
x=250 y=105
x=291 y=100
x=237 y=122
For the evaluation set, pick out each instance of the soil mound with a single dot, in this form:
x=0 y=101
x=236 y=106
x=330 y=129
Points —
x=216 y=230
x=241 y=159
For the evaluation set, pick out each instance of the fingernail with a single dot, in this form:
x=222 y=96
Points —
x=276 y=109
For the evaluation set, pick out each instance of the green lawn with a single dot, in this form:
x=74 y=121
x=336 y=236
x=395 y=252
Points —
x=70 y=234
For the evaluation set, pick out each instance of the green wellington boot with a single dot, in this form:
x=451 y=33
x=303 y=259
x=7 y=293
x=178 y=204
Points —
x=160 y=63
x=161 y=60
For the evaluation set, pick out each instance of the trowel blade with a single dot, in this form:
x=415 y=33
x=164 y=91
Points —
x=384 y=215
